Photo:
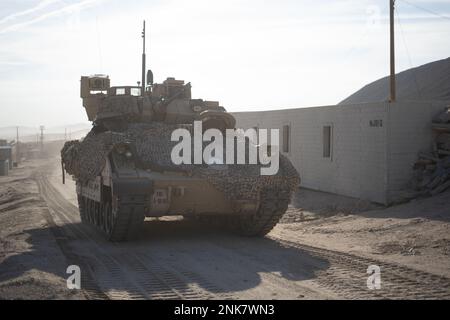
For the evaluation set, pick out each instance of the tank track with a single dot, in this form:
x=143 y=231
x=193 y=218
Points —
x=120 y=222
x=82 y=208
x=273 y=205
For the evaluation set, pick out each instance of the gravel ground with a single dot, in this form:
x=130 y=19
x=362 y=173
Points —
x=40 y=235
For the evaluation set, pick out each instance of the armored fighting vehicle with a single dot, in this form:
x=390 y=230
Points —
x=124 y=168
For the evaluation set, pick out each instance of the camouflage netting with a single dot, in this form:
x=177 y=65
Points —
x=153 y=146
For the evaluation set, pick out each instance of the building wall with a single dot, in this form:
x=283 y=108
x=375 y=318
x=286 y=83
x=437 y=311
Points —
x=374 y=145
x=6 y=154
x=357 y=167
x=409 y=133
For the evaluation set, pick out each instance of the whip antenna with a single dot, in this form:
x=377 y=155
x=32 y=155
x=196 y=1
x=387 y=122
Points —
x=143 y=61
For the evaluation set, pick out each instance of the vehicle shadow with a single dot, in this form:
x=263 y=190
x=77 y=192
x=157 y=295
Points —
x=322 y=204
x=168 y=256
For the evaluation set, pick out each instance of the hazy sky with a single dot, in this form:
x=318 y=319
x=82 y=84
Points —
x=249 y=55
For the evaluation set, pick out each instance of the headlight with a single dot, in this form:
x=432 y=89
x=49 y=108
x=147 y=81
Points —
x=123 y=149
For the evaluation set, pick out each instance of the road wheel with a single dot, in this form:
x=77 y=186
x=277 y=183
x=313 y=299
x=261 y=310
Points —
x=123 y=220
x=82 y=208
x=108 y=219
x=120 y=219
x=273 y=205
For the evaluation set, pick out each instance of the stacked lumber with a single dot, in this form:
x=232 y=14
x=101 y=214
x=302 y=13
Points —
x=432 y=170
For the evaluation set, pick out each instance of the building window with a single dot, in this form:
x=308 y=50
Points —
x=286 y=138
x=120 y=91
x=136 y=92
x=327 y=141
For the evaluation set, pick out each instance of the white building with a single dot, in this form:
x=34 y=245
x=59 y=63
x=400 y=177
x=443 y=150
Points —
x=365 y=151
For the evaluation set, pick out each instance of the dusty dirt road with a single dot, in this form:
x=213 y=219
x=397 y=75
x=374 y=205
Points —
x=310 y=255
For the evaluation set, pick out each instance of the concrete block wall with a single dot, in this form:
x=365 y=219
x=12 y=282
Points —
x=358 y=164
x=374 y=145
x=6 y=154
x=409 y=133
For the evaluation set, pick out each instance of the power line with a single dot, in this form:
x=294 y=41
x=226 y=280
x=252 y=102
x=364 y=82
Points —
x=99 y=44
x=407 y=52
x=427 y=10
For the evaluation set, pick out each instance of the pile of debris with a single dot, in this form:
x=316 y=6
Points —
x=433 y=168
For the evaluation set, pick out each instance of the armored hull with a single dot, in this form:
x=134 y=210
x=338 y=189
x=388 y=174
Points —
x=125 y=171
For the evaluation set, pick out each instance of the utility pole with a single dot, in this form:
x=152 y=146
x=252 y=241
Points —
x=393 y=95
x=143 y=62
x=42 y=138
x=17 y=146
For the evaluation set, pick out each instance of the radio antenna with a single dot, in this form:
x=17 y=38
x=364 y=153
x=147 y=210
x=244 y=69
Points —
x=143 y=62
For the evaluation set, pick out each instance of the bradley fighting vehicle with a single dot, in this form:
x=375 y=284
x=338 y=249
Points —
x=124 y=172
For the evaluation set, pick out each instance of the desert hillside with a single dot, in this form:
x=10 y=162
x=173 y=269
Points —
x=430 y=81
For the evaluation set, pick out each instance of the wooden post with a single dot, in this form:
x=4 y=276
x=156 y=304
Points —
x=393 y=94
x=17 y=146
